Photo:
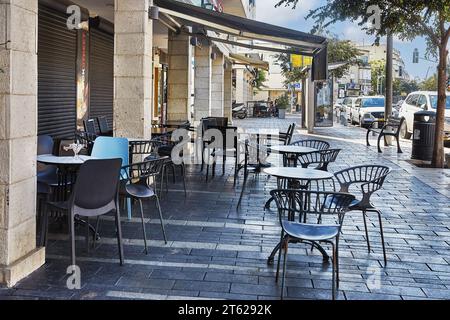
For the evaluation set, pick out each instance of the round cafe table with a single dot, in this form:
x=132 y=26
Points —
x=289 y=151
x=305 y=178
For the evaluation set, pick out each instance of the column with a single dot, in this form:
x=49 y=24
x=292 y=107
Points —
x=18 y=129
x=217 y=85
x=202 y=83
x=228 y=90
x=240 y=88
x=179 y=77
x=133 y=69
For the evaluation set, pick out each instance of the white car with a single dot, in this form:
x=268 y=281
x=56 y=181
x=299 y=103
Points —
x=368 y=109
x=347 y=105
x=418 y=101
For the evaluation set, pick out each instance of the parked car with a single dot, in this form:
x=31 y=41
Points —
x=347 y=106
x=418 y=101
x=367 y=109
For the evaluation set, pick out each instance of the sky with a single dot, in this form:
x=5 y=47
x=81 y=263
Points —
x=295 y=19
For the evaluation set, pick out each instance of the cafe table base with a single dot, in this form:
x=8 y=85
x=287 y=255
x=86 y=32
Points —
x=314 y=244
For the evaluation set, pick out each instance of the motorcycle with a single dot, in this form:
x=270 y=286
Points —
x=239 y=111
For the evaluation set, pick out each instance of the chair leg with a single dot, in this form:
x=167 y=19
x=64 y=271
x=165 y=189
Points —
x=367 y=138
x=267 y=205
x=119 y=235
x=337 y=262
x=236 y=171
x=333 y=279
x=367 y=231
x=44 y=225
x=161 y=219
x=87 y=234
x=379 y=143
x=242 y=191
x=144 y=234
x=223 y=164
x=183 y=169
x=399 y=150
x=97 y=228
x=72 y=237
x=382 y=237
x=279 y=258
x=283 y=279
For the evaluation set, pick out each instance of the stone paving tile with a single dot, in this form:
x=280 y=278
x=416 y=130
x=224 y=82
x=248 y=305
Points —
x=216 y=252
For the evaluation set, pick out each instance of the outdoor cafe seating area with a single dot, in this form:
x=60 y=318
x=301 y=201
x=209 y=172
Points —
x=94 y=175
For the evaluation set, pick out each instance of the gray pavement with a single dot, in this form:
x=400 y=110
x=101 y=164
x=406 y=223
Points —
x=216 y=252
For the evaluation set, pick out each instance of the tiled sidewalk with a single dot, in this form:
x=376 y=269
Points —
x=216 y=252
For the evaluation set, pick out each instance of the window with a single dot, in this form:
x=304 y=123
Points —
x=412 y=99
x=372 y=102
x=434 y=101
x=422 y=102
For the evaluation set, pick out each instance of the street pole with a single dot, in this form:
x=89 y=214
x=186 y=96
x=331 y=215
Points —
x=389 y=85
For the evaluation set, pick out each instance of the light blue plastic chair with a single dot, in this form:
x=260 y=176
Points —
x=113 y=148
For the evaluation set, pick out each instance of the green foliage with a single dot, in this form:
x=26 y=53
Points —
x=283 y=102
x=260 y=78
x=430 y=84
x=403 y=87
x=378 y=70
x=338 y=51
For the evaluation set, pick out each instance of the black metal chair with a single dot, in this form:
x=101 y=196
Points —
x=103 y=126
x=312 y=143
x=89 y=126
x=320 y=158
x=284 y=137
x=328 y=208
x=135 y=185
x=229 y=148
x=369 y=178
x=249 y=164
x=87 y=139
x=164 y=147
x=95 y=194
x=47 y=182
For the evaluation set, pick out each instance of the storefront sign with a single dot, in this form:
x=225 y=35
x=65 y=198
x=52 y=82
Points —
x=299 y=61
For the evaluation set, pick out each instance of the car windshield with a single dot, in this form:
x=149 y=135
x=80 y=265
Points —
x=372 y=102
x=434 y=100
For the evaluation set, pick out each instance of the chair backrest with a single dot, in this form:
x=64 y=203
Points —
x=312 y=143
x=370 y=178
x=321 y=158
x=89 y=126
x=290 y=134
x=45 y=145
x=144 y=147
x=103 y=125
x=112 y=148
x=295 y=205
x=140 y=172
x=96 y=187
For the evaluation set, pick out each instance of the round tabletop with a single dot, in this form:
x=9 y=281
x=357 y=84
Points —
x=292 y=149
x=54 y=160
x=298 y=173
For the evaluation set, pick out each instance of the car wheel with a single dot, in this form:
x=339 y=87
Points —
x=404 y=134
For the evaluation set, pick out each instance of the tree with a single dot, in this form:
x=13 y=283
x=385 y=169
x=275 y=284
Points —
x=338 y=51
x=404 y=87
x=407 y=19
x=378 y=68
x=430 y=84
x=260 y=78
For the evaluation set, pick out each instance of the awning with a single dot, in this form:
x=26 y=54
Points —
x=233 y=30
x=256 y=63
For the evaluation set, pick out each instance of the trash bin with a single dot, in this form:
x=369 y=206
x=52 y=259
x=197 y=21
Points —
x=423 y=135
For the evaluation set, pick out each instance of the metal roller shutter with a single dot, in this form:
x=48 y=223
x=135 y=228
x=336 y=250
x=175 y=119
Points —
x=57 y=92
x=101 y=74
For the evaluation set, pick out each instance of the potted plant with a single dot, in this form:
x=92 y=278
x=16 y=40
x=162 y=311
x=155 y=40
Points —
x=282 y=105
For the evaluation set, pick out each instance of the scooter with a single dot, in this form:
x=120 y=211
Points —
x=239 y=111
